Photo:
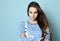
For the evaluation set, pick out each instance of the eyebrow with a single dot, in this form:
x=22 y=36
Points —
x=35 y=12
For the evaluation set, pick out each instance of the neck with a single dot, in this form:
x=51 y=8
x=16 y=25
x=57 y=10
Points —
x=32 y=21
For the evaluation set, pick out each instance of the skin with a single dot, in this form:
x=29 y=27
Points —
x=32 y=18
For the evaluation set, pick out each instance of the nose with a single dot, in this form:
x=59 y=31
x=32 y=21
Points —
x=33 y=14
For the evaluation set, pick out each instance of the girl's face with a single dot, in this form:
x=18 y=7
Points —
x=33 y=13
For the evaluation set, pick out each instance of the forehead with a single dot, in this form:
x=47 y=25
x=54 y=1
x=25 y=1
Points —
x=33 y=9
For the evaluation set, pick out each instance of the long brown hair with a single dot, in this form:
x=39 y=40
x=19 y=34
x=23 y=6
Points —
x=41 y=18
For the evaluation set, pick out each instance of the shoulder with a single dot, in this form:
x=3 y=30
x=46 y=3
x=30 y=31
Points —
x=22 y=22
x=47 y=29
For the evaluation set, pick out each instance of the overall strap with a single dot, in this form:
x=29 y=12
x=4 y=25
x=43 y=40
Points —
x=28 y=35
x=26 y=25
x=25 y=29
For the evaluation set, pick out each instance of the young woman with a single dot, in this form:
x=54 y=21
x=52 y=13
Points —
x=36 y=27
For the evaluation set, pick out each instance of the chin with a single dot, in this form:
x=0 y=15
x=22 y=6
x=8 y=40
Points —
x=33 y=18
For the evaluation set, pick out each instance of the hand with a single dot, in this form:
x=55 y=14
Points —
x=42 y=38
x=22 y=34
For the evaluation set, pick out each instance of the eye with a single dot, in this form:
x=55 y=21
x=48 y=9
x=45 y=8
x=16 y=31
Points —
x=30 y=12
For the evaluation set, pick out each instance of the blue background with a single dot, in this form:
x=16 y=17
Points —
x=14 y=11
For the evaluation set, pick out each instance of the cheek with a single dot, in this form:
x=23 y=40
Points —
x=29 y=14
x=36 y=15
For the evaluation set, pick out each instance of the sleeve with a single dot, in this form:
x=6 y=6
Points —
x=48 y=35
x=21 y=30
